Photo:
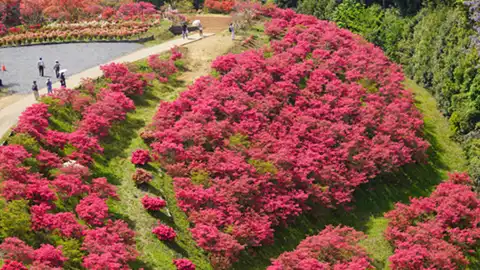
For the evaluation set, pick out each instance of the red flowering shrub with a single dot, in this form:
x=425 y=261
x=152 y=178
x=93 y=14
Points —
x=140 y=157
x=93 y=210
x=11 y=159
x=15 y=249
x=135 y=9
x=34 y=120
x=38 y=190
x=141 y=176
x=103 y=189
x=153 y=203
x=49 y=256
x=436 y=232
x=332 y=248
x=132 y=83
x=109 y=247
x=48 y=160
x=175 y=53
x=222 y=6
x=184 y=264
x=164 y=232
x=13 y=265
x=163 y=68
x=305 y=122
x=3 y=29
x=69 y=185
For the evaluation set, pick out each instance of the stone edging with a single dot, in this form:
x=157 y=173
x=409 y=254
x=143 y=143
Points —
x=140 y=40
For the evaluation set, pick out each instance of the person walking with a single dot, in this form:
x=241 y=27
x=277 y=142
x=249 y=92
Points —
x=49 y=86
x=56 y=67
x=41 y=67
x=35 y=90
x=63 y=82
x=231 y=28
x=184 y=30
x=200 y=30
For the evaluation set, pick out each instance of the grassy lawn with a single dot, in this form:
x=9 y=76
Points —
x=376 y=197
x=160 y=34
x=115 y=165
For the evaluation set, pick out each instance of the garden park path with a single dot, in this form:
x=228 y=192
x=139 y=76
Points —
x=9 y=114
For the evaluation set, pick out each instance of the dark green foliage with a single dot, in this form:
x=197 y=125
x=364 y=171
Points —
x=286 y=3
x=366 y=21
x=322 y=9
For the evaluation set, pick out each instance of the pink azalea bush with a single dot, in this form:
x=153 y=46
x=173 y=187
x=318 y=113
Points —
x=140 y=157
x=141 y=176
x=332 y=248
x=47 y=255
x=163 y=68
x=153 y=203
x=92 y=209
x=436 y=232
x=184 y=264
x=13 y=265
x=164 y=232
x=305 y=121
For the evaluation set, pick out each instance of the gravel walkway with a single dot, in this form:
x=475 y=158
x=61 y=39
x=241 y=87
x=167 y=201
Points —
x=21 y=62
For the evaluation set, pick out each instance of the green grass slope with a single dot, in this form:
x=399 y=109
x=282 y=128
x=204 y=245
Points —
x=376 y=197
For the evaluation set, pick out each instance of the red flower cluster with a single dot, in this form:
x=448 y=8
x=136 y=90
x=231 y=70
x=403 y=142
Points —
x=223 y=6
x=140 y=157
x=164 y=232
x=175 y=53
x=184 y=264
x=131 y=10
x=93 y=210
x=45 y=257
x=436 y=232
x=307 y=121
x=332 y=248
x=109 y=247
x=123 y=80
x=13 y=265
x=163 y=68
x=141 y=176
x=153 y=203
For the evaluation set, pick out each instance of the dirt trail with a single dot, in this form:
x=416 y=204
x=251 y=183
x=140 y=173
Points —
x=212 y=23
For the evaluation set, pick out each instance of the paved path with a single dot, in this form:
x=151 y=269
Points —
x=9 y=115
x=21 y=62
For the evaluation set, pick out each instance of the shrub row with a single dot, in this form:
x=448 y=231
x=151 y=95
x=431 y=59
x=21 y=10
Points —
x=306 y=120
x=438 y=232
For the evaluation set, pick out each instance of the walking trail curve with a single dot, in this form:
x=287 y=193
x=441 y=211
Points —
x=9 y=114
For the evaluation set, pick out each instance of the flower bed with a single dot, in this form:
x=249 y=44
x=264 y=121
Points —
x=437 y=232
x=90 y=31
x=305 y=121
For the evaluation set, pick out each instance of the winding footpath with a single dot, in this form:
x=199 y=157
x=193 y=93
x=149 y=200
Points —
x=9 y=115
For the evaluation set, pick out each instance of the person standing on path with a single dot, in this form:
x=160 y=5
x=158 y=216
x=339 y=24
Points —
x=232 y=30
x=184 y=31
x=49 y=86
x=35 y=90
x=41 y=67
x=200 y=30
x=63 y=82
x=56 y=67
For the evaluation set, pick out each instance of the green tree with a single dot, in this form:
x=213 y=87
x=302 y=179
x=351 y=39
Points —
x=15 y=220
x=322 y=9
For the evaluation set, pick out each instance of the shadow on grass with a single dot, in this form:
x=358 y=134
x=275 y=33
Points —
x=174 y=246
x=372 y=199
x=163 y=218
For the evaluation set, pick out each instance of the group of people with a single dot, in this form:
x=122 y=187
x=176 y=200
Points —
x=41 y=71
